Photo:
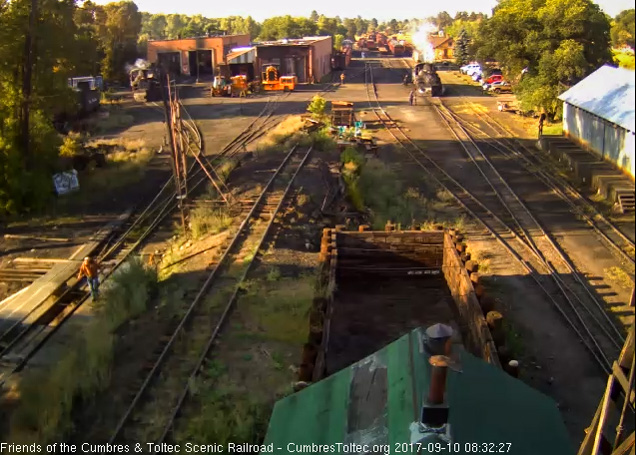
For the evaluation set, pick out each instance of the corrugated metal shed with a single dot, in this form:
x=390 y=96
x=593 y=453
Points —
x=607 y=93
x=241 y=55
x=375 y=401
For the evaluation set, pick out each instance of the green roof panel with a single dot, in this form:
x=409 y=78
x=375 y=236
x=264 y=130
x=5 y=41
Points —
x=375 y=400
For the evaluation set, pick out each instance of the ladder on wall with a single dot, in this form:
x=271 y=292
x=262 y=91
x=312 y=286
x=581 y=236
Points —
x=618 y=399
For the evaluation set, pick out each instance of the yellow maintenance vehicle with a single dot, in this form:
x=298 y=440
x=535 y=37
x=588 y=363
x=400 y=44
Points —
x=272 y=80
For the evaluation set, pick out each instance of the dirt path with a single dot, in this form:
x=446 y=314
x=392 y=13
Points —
x=553 y=359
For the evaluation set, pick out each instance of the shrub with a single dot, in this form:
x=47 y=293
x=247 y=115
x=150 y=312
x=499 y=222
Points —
x=47 y=395
x=71 y=146
x=317 y=107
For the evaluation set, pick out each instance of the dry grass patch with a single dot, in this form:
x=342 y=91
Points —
x=46 y=396
x=619 y=276
x=281 y=132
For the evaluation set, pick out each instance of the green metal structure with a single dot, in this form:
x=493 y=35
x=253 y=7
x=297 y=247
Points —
x=374 y=403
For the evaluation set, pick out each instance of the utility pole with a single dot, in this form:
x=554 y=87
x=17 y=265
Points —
x=26 y=84
x=169 y=115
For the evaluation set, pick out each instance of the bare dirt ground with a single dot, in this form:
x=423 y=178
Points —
x=553 y=359
x=77 y=216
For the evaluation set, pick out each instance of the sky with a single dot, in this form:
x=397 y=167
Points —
x=380 y=9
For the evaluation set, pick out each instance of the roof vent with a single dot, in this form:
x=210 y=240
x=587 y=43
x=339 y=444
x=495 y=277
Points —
x=438 y=339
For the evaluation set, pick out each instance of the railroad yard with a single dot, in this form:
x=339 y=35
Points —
x=230 y=308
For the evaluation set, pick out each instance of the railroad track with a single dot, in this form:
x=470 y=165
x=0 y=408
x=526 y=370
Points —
x=156 y=401
x=21 y=341
x=542 y=170
x=517 y=231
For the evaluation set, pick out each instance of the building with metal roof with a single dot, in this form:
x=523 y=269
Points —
x=307 y=58
x=598 y=113
x=404 y=394
x=194 y=56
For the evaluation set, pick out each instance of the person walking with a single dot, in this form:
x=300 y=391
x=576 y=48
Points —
x=90 y=270
x=342 y=78
x=541 y=121
x=412 y=99
x=406 y=79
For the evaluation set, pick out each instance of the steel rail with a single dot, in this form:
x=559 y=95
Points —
x=553 y=179
x=554 y=273
x=167 y=348
x=562 y=256
x=552 y=183
x=600 y=357
x=206 y=350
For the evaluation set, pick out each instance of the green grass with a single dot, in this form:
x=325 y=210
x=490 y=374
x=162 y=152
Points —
x=125 y=166
x=270 y=326
x=514 y=342
x=553 y=129
x=46 y=396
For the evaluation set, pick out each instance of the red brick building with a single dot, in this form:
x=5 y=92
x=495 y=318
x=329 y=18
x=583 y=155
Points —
x=185 y=56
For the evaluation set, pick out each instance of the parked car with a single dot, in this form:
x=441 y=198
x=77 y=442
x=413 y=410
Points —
x=500 y=87
x=493 y=78
x=470 y=68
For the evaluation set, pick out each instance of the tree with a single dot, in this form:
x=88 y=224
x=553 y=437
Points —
x=337 y=41
x=119 y=25
x=352 y=29
x=558 y=41
x=314 y=16
x=25 y=174
x=462 y=56
x=373 y=25
x=623 y=29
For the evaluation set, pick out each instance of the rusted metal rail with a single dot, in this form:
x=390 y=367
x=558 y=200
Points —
x=247 y=230
x=501 y=230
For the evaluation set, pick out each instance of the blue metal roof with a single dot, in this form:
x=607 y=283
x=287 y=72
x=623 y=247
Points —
x=607 y=93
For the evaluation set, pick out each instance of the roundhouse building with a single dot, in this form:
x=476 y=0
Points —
x=598 y=114
x=194 y=56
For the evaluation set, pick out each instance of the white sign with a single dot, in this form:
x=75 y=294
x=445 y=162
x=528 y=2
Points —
x=65 y=182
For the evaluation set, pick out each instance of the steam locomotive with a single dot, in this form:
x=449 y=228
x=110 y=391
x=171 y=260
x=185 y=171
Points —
x=427 y=80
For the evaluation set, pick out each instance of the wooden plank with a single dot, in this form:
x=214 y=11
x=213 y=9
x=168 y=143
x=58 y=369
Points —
x=18 y=309
x=26 y=260
x=34 y=237
x=598 y=431
x=625 y=446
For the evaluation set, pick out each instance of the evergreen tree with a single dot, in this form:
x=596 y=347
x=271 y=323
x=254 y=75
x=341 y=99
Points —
x=462 y=56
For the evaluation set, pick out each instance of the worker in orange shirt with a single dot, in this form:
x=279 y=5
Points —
x=342 y=78
x=90 y=270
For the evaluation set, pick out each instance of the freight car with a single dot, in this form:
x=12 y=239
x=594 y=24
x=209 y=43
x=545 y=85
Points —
x=427 y=80
x=340 y=60
x=396 y=47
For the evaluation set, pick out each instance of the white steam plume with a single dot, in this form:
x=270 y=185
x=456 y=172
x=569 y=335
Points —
x=140 y=63
x=421 y=41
